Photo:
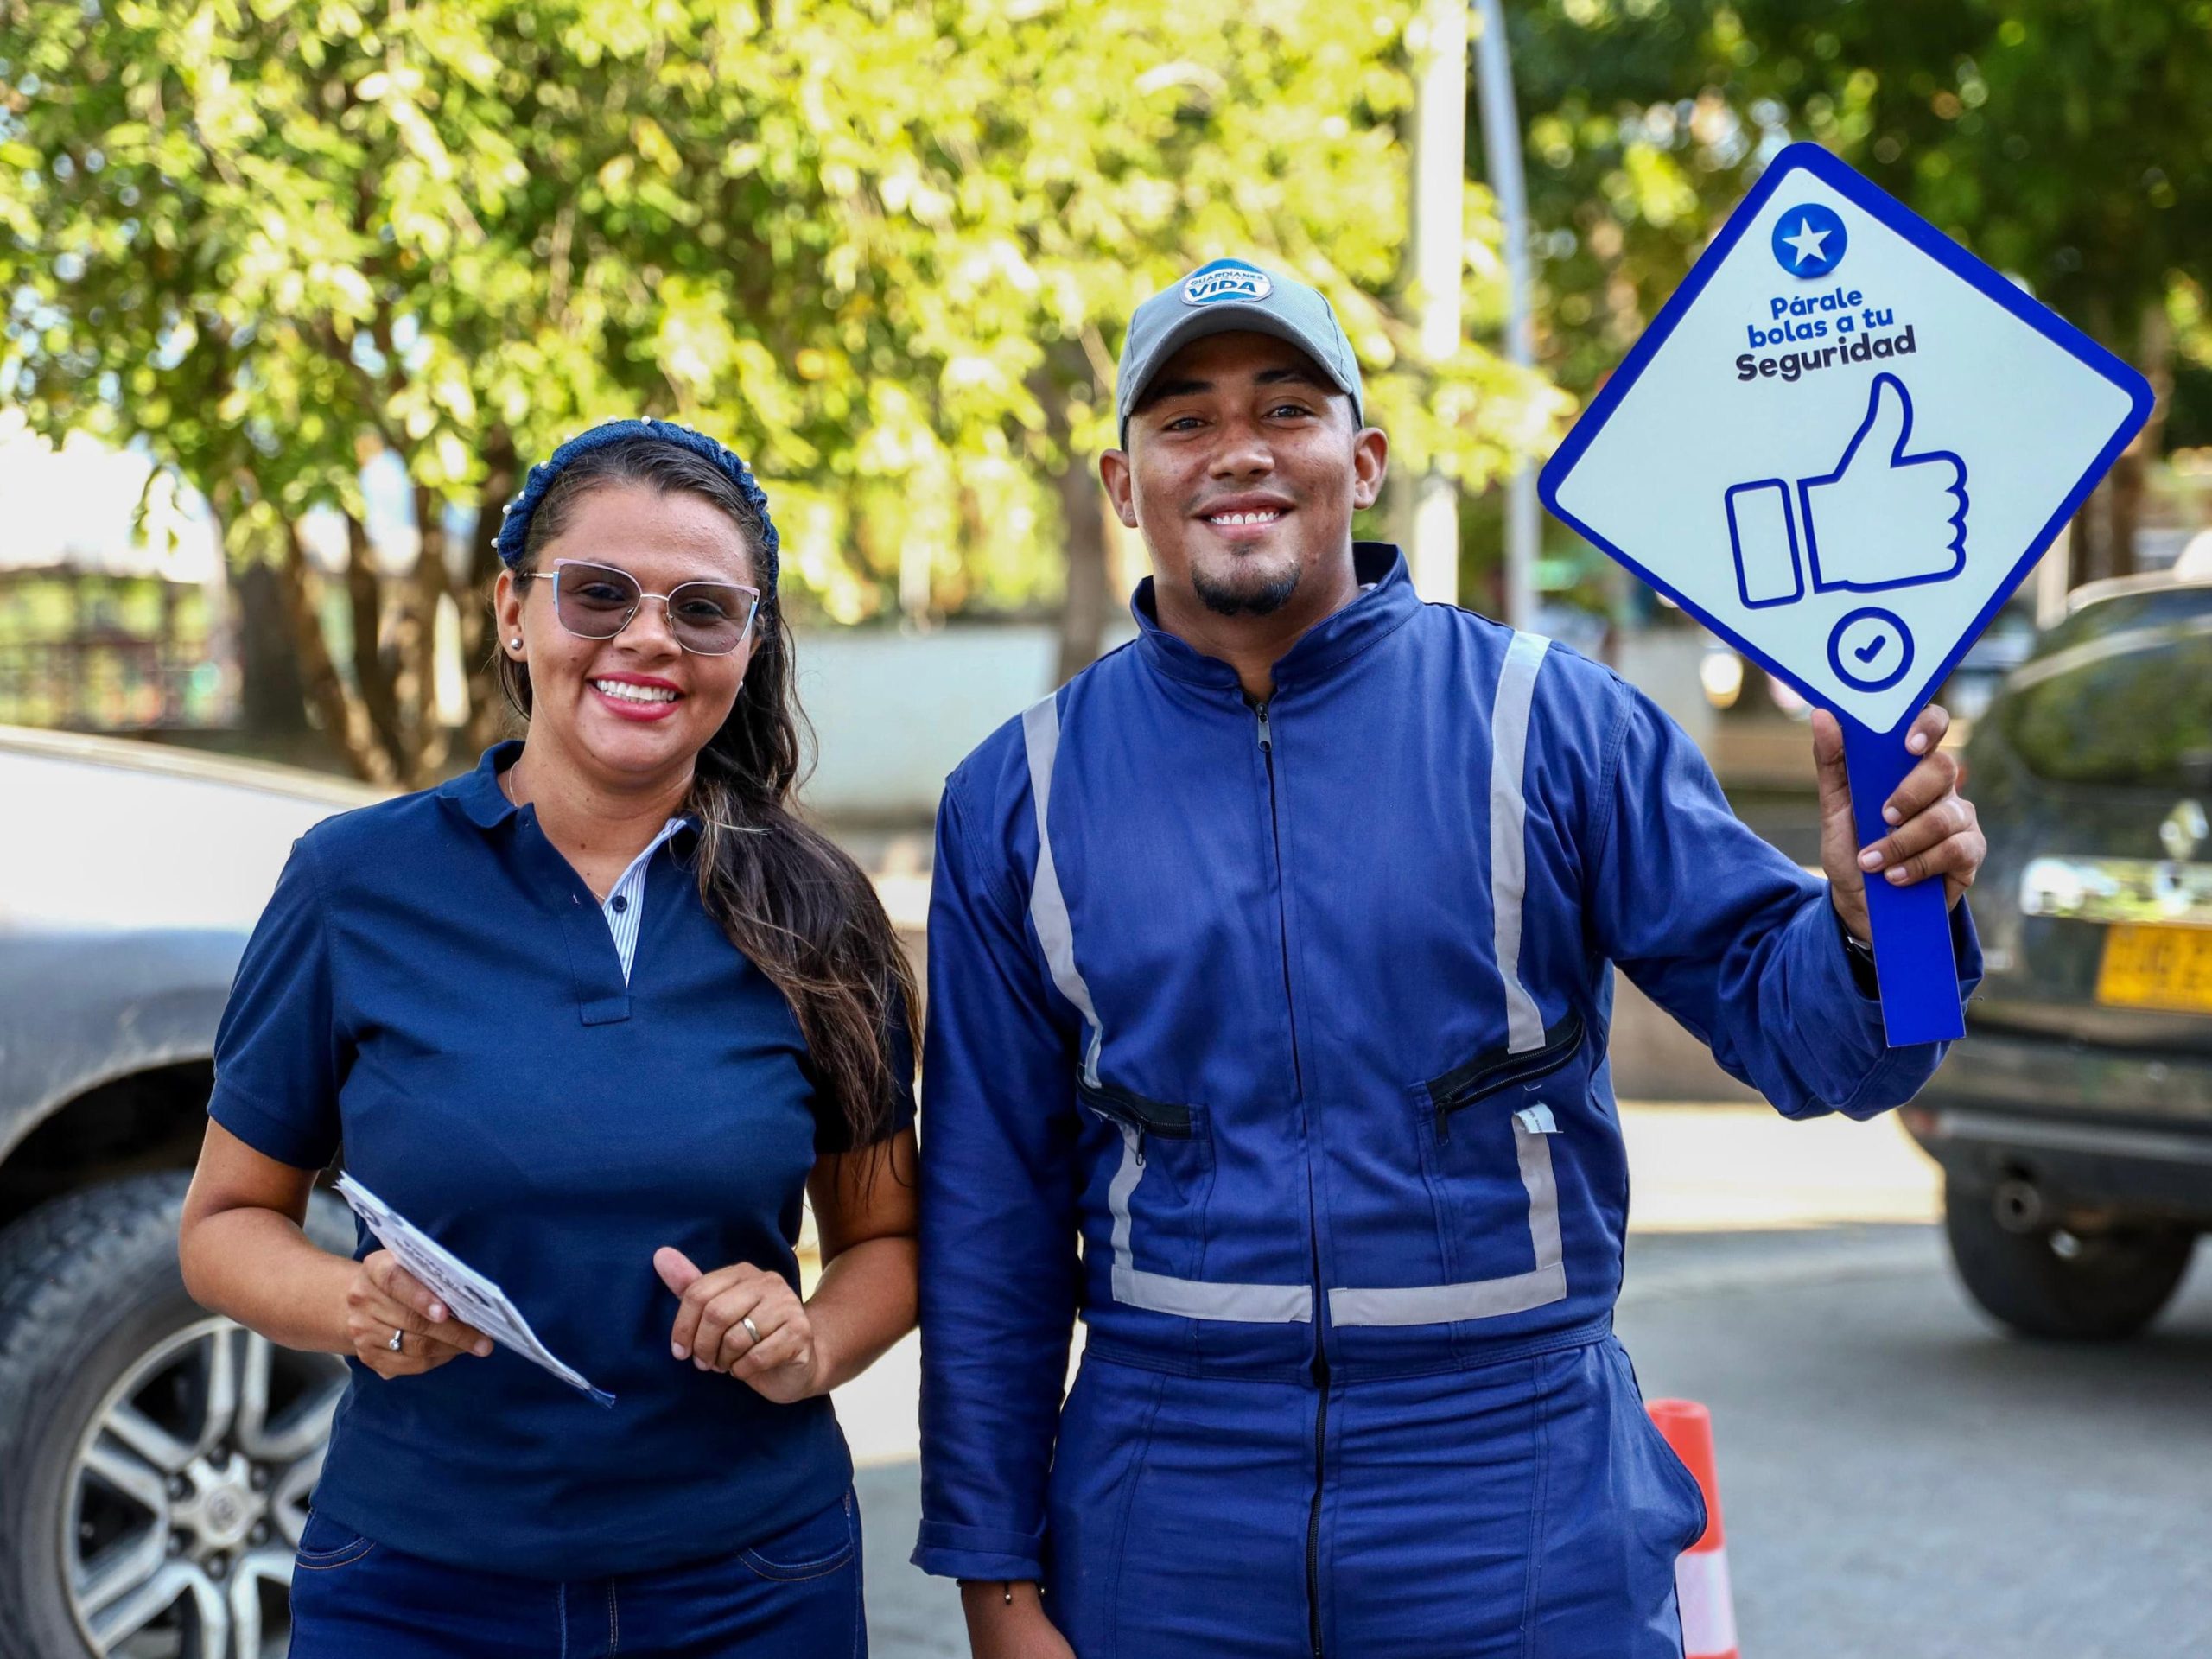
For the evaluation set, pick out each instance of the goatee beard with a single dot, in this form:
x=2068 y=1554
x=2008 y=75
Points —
x=1264 y=600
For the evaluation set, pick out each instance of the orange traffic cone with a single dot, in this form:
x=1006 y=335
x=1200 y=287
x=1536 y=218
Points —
x=1701 y=1571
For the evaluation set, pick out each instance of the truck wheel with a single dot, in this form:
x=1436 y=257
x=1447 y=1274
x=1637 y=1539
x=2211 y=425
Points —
x=2089 y=1287
x=157 y=1459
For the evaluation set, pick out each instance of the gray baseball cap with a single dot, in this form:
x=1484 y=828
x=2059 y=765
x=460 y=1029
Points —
x=1222 y=297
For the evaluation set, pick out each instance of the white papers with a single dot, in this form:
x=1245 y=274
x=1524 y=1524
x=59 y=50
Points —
x=468 y=1294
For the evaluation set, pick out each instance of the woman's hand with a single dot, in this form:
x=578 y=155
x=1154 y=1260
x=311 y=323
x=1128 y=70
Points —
x=383 y=1297
x=784 y=1364
x=998 y=1628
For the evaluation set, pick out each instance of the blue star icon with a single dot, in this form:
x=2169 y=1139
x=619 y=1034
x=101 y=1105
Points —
x=1808 y=240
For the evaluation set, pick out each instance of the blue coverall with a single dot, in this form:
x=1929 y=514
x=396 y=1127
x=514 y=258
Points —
x=1295 y=1020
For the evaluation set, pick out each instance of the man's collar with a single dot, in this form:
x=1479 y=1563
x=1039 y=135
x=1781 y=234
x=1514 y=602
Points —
x=1371 y=616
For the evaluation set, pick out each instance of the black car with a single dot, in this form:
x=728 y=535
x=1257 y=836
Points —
x=2075 y=1125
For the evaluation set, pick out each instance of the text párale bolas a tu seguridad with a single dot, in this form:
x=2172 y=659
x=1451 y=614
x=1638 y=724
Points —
x=1853 y=332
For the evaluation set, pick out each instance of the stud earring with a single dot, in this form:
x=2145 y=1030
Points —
x=516 y=642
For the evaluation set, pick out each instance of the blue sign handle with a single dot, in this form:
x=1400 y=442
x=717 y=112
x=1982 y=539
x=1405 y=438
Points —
x=1914 y=962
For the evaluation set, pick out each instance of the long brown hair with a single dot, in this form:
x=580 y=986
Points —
x=791 y=899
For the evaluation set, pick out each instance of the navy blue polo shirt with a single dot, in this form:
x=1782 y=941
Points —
x=434 y=987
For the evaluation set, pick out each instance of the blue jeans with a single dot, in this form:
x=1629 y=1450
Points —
x=795 y=1596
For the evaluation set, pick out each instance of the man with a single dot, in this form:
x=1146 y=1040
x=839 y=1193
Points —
x=1270 y=958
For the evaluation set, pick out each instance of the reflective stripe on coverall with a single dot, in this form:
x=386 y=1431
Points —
x=1272 y=1041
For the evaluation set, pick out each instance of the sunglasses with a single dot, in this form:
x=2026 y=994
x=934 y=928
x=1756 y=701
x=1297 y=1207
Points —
x=597 y=601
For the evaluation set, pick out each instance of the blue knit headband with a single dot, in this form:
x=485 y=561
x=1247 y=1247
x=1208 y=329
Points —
x=514 y=524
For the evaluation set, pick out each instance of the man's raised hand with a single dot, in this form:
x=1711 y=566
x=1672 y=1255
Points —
x=1933 y=827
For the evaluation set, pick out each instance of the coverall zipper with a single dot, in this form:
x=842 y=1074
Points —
x=1313 y=1214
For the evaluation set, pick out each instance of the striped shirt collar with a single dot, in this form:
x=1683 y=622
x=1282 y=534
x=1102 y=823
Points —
x=480 y=798
x=625 y=904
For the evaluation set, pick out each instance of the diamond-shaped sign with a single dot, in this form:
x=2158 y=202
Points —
x=1844 y=440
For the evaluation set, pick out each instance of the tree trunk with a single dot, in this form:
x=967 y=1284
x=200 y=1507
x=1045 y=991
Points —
x=372 y=675
x=2106 y=525
x=1082 y=527
x=489 y=717
x=343 y=720
x=2123 y=493
x=272 y=693
x=2130 y=480
x=2084 y=546
x=1067 y=374
x=419 y=641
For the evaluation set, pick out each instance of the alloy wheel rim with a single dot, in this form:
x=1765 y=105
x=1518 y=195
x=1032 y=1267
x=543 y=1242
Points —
x=187 y=1492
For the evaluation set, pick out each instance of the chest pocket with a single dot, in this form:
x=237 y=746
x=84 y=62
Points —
x=1166 y=1149
x=1479 y=1109
x=1171 y=1140
x=1485 y=1133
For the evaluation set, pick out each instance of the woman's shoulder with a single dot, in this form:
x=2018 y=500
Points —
x=369 y=837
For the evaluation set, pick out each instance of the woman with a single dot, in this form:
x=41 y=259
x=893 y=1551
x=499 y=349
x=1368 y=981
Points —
x=594 y=1016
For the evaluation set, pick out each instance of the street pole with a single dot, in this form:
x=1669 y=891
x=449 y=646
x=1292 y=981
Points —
x=1440 y=256
x=1501 y=145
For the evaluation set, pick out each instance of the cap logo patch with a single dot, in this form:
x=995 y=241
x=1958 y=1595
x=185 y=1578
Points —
x=1225 y=281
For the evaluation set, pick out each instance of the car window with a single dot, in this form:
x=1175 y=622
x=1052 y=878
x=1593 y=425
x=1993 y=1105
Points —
x=2119 y=693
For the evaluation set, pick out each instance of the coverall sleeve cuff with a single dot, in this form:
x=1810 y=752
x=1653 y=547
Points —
x=980 y=1552
x=1897 y=1073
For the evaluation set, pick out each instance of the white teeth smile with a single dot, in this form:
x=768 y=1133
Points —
x=1268 y=517
x=630 y=693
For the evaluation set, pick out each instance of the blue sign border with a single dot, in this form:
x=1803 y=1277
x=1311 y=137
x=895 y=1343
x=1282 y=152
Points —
x=1871 y=198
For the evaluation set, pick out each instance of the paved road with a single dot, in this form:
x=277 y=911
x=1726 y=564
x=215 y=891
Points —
x=1899 y=1481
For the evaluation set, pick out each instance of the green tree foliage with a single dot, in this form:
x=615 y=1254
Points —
x=2067 y=142
x=885 y=250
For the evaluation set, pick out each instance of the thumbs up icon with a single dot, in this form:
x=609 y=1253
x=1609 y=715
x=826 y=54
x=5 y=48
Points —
x=1882 y=518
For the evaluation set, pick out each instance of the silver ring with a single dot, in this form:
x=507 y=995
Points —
x=398 y=1337
x=751 y=1329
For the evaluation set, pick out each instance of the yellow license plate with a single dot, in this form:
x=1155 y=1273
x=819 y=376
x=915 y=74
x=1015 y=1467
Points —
x=2156 y=968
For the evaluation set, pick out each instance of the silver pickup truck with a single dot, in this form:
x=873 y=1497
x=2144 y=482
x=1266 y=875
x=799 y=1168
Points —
x=155 y=1461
